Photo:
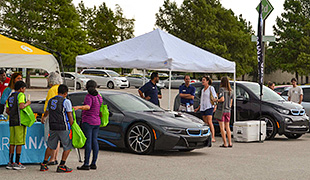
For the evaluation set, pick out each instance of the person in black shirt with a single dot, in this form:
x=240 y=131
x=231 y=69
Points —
x=150 y=89
x=59 y=111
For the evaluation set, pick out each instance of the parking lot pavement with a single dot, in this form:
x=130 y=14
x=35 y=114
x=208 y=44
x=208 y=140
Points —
x=277 y=159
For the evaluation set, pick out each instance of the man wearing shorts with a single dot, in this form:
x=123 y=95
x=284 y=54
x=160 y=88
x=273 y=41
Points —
x=59 y=110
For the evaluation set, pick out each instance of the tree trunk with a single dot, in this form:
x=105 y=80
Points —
x=243 y=77
x=296 y=76
x=27 y=78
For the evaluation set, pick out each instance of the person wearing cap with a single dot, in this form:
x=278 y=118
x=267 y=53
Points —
x=295 y=94
x=187 y=95
x=4 y=83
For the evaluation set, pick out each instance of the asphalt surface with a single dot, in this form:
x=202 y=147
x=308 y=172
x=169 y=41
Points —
x=277 y=159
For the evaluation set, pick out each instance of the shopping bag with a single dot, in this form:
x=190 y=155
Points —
x=78 y=137
x=105 y=114
x=27 y=118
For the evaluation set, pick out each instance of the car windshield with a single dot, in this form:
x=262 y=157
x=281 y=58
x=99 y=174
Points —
x=113 y=74
x=132 y=103
x=268 y=94
x=81 y=76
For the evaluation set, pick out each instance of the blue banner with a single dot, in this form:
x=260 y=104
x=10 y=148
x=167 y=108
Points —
x=34 y=149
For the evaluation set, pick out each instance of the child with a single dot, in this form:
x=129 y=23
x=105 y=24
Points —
x=15 y=102
x=59 y=110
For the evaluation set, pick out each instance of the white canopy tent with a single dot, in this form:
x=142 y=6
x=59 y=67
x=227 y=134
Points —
x=157 y=50
x=22 y=55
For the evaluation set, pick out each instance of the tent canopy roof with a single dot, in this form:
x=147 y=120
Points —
x=22 y=55
x=156 y=50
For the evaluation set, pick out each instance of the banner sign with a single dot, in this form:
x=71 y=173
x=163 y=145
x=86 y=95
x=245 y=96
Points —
x=260 y=48
x=34 y=149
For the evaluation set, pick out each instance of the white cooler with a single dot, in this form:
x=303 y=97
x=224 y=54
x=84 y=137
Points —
x=248 y=131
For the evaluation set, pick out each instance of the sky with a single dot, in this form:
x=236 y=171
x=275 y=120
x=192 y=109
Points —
x=143 y=11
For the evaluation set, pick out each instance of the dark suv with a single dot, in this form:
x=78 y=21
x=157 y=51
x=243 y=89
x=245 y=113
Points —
x=282 y=117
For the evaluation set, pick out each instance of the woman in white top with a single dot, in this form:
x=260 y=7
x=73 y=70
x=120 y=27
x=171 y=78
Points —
x=206 y=107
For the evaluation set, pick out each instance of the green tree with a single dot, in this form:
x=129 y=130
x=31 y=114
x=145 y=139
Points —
x=52 y=23
x=103 y=26
x=206 y=24
x=291 y=49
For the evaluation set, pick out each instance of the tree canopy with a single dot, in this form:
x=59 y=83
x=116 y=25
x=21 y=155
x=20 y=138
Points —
x=292 y=30
x=60 y=26
x=206 y=24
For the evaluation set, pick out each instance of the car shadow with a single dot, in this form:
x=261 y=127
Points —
x=155 y=153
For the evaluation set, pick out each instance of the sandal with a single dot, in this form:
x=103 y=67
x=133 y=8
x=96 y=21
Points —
x=230 y=146
x=223 y=146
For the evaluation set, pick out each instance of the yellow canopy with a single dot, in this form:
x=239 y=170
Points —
x=22 y=55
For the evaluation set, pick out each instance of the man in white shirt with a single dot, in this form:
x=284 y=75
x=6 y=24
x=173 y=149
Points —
x=295 y=94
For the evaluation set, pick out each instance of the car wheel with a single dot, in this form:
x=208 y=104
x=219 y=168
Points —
x=140 y=139
x=137 y=87
x=293 y=136
x=78 y=85
x=110 y=85
x=128 y=85
x=271 y=129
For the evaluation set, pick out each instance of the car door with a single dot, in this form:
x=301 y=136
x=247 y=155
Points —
x=306 y=100
x=93 y=75
x=69 y=79
x=244 y=104
x=103 y=77
x=113 y=131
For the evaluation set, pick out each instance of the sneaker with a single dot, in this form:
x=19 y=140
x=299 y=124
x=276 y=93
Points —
x=53 y=163
x=18 y=166
x=9 y=166
x=43 y=167
x=84 y=167
x=93 y=166
x=63 y=169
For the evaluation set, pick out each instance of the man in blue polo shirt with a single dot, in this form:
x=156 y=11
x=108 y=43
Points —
x=150 y=89
x=187 y=95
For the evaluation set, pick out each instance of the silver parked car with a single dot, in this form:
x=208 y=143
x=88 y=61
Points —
x=176 y=82
x=306 y=97
x=70 y=79
x=106 y=78
x=136 y=80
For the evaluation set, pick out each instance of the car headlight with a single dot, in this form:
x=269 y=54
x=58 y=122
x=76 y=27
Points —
x=174 y=130
x=282 y=111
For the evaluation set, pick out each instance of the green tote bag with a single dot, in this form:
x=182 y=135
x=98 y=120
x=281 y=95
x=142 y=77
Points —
x=27 y=117
x=78 y=137
x=105 y=114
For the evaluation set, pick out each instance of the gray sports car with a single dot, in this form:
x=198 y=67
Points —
x=143 y=127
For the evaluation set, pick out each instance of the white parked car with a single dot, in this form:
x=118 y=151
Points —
x=106 y=78
x=70 y=78
x=306 y=97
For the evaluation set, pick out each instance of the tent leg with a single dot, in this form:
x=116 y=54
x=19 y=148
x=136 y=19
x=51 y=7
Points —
x=75 y=78
x=235 y=104
x=143 y=76
x=169 y=90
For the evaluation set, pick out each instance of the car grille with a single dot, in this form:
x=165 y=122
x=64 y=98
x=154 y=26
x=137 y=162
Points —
x=298 y=112
x=198 y=132
x=124 y=80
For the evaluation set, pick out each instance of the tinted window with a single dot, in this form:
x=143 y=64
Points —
x=284 y=93
x=77 y=99
x=132 y=103
x=306 y=96
x=241 y=93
